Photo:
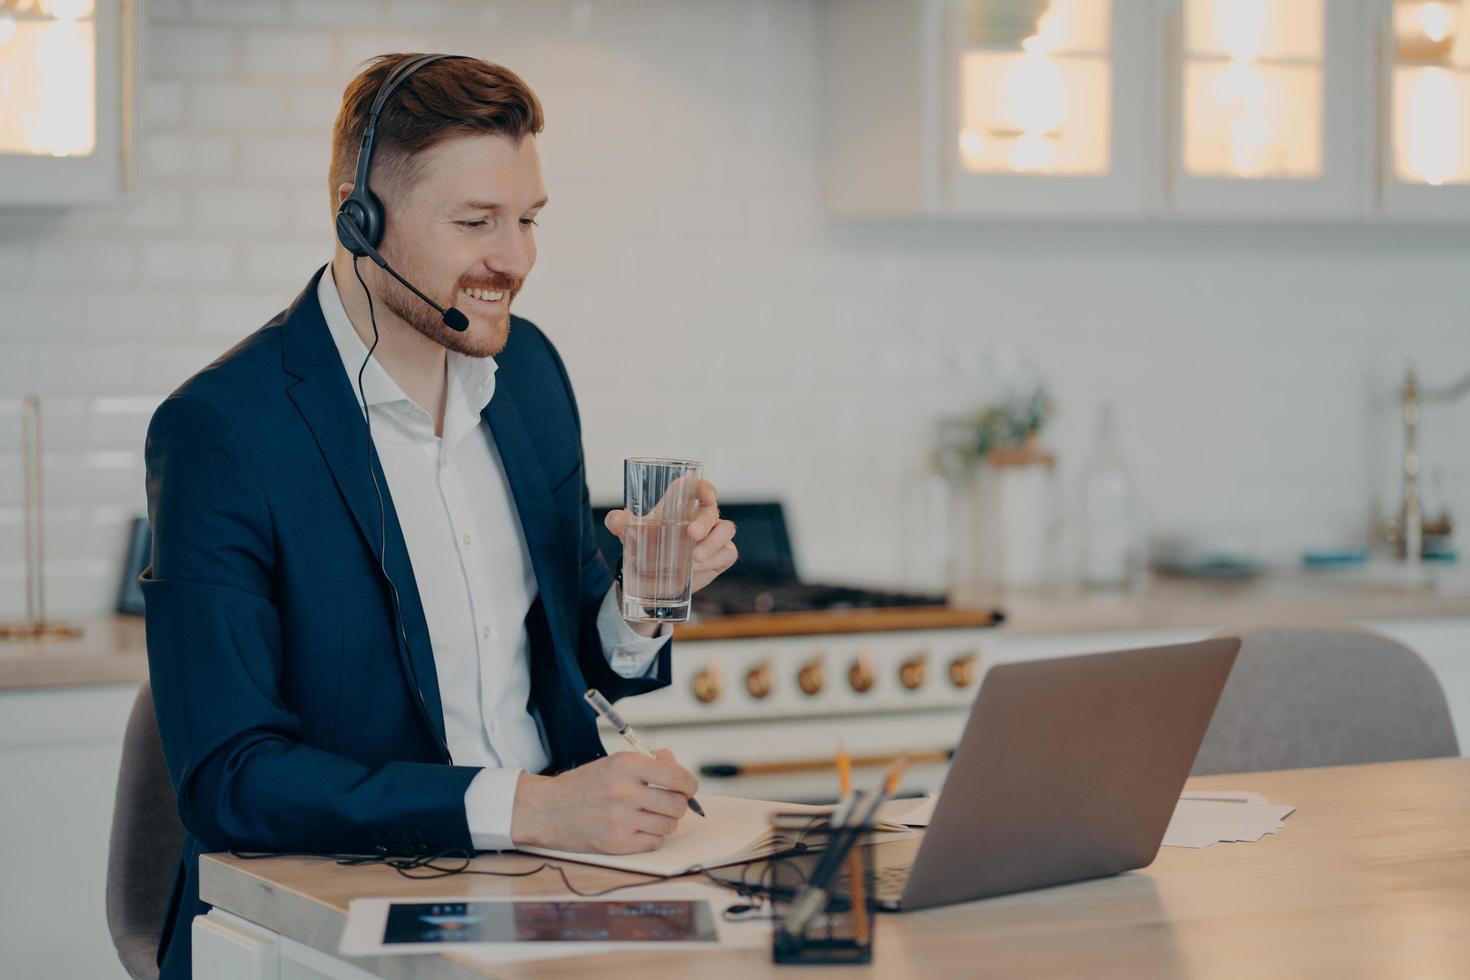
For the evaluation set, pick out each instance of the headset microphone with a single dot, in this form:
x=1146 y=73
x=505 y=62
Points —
x=361 y=219
x=347 y=230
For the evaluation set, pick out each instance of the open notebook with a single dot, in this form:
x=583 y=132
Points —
x=734 y=830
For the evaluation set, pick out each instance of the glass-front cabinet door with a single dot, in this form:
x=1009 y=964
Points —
x=1048 y=107
x=66 y=99
x=1425 y=90
x=1267 y=108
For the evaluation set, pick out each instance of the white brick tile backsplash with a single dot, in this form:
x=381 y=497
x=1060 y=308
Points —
x=191 y=52
x=188 y=261
x=68 y=262
x=86 y=369
x=288 y=159
x=288 y=53
x=683 y=155
x=235 y=106
x=134 y=314
x=314 y=105
x=280 y=266
x=415 y=13
x=357 y=47
x=238 y=11
x=15 y=260
x=226 y=210
x=191 y=155
x=336 y=13
x=163 y=103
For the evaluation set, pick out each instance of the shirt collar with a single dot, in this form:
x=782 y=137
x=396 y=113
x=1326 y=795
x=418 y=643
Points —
x=471 y=380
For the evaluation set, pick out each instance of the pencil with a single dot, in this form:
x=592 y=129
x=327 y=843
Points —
x=858 y=896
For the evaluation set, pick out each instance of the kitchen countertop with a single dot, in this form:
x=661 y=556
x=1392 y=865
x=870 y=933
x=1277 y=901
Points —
x=111 y=650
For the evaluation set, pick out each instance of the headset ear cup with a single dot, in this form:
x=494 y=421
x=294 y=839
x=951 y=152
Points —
x=373 y=218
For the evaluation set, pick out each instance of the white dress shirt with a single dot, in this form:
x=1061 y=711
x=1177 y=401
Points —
x=473 y=571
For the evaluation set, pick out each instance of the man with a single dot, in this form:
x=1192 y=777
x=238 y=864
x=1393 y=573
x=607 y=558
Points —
x=375 y=597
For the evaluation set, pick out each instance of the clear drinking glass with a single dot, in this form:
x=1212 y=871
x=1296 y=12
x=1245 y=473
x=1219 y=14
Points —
x=661 y=498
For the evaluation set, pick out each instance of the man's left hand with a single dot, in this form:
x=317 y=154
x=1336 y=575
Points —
x=714 y=537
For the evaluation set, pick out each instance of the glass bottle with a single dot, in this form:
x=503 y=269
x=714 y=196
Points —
x=1109 y=509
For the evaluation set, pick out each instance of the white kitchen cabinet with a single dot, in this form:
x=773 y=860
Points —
x=68 y=98
x=1263 y=110
x=1422 y=53
x=59 y=755
x=1020 y=107
x=1267 y=112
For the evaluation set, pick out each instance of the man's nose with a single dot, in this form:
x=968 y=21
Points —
x=512 y=255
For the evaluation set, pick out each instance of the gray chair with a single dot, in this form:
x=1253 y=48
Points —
x=145 y=844
x=1301 y=697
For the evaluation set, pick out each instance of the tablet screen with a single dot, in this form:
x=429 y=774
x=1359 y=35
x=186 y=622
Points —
x=554 y=922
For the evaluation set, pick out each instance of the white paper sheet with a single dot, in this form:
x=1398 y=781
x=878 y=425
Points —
x=366 y=917
x=1201 y=818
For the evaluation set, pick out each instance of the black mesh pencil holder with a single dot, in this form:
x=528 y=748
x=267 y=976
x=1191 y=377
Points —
x=833 y=924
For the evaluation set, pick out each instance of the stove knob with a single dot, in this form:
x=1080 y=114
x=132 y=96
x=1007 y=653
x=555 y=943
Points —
x=911 y=671
x=811 y=677
x=964 y=669
x=706 y=683
x=760 y=680
x=861 y=674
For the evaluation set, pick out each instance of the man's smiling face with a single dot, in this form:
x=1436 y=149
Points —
x=461 y=227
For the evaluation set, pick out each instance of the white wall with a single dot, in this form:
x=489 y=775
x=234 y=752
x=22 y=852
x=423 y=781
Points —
x=798 y=356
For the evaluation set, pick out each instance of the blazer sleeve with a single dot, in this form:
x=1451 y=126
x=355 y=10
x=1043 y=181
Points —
x=595 y=580
x=244 y=779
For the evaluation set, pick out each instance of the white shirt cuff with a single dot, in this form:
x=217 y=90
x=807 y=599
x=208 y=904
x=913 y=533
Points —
x=488 y=802
x=628 y=653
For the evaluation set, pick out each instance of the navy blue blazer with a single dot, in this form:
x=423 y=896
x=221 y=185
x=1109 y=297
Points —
x=284 y=687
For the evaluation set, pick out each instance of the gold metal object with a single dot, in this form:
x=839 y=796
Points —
x=812 y=676
x=911 y=672
x=861 y=675
x=706 y=683
x=964 y=669
x=36 y=627
x=760 y=680
x=1409 y=531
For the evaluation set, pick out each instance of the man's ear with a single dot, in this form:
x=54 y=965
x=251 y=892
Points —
x=343 y=190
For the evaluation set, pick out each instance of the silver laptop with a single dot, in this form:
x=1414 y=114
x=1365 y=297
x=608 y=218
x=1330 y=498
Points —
x=1068 y=769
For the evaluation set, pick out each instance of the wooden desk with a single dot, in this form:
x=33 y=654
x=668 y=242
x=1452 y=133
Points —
x=1370 y=878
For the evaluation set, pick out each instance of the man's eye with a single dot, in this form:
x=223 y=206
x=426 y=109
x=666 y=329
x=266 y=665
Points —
x=477 y=223
x=530 y=222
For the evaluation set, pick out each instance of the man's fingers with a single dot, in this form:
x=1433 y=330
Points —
x=664 y=771
x=663 y=802
x=723 y=559
x=722 y=534
x=616 y=521
x=645 y=822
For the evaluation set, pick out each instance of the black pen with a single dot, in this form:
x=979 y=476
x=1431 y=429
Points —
x=603 y=707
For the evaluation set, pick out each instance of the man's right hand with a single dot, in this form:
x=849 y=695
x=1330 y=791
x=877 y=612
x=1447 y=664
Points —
x=620 y=804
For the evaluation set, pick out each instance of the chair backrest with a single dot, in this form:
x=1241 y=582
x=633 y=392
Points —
x=146 y=839
x=1302 y=697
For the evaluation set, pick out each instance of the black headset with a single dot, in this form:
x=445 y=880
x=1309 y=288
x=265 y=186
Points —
x=360 y=218
x=360 y=222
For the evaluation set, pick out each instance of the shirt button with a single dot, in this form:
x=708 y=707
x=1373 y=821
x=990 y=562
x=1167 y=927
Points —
x=465 y=538
x=485 y=632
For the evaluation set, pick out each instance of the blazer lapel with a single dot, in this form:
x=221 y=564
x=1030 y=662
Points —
x=532 y=492
x=329 y=405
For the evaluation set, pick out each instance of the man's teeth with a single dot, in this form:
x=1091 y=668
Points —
x=489 y=296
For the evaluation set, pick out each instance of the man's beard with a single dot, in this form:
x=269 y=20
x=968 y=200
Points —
x=419 y=315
